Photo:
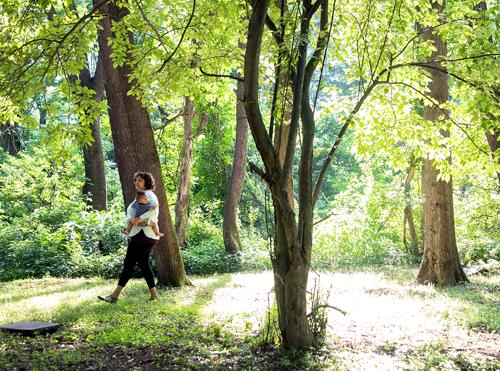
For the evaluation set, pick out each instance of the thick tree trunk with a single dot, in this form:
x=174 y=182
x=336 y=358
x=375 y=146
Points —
x=182 y=203
x=291 y=270
x=290 y=274
x=293 y=242
x=93 y=156
x=135 y=149
x=9 y=139
x=408 y=213
x=440 y=263
x=236 y=180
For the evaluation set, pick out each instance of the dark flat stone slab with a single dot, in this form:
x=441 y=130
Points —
x=30 y=327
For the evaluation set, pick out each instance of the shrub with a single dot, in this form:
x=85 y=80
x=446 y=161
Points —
x=209 y=258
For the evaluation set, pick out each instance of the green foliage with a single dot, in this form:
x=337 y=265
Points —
x=44 y=227
x=175 y=332
x=365 y=226
x=214 y=155
x=201 y=230
x=476 y=214
x=209 y=258
x=270 y=334
x=318 y=317
x=345 y=168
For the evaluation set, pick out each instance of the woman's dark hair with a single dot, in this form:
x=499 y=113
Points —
x=149 y=181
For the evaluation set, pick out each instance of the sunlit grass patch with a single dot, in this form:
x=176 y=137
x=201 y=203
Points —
x=90 y=325
x=173 y=332
x=478 y=303
x=391 y=323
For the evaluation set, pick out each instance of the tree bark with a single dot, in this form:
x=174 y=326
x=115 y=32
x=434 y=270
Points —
x=494 y=144
x=93 y=156
x=492 y=135
x=293 y=241
x=9 y=139
x=135 y=148
x=440 y=264
x=236 y=180
x=408 y=213
x=182 y=203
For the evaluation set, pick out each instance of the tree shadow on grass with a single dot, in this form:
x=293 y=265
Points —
x=22 y=289
x=480 y=303
x=171 y=333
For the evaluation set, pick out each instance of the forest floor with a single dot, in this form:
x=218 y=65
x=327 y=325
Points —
x=391 y=323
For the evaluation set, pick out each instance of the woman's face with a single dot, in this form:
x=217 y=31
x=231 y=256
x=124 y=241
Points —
x=139 y=184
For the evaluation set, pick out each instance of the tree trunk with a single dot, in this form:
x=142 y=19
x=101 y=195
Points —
x=93 y=156
x=492 y=136
x=408 y=213
x=494 y=144
x=235 y=187
x=182 y=203
x=43 y=114
x=293 y=242
x=135 y=148
x=440 y=263
x=9 y=139
x=291 y=272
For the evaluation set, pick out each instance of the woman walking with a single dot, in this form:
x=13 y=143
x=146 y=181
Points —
x=142 y=238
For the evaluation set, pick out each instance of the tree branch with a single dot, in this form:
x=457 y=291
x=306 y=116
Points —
x=274 y=30
x=155 y=30
x=251 y=88
x=217 y=75
x=385 y=38
x=257 y=170
x=180 y=41
x=425 y=96
x=166 y=121
x=317 y=307
x=429 y=29
x=323 y=219
x=67 y=34
x=342 y=132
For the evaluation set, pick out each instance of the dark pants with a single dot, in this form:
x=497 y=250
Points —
x=138 y=250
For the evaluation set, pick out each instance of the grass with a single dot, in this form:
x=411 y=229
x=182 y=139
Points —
x=175 y=332
x=392 y=323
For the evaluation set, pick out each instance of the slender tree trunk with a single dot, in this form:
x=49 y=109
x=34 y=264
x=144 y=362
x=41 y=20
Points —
x=280 y=143
x=440 y=263
x=492 y=135
x=9 y=139
x=93 y=156
x=408 y=213
x=236 y=180
x=494 y=144
x=135 y=148
x=183 y=190
x=43 y=114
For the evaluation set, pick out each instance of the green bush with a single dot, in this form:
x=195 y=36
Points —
x=201 y=230
x=209 y=258
x=34 y=250
x=100 y=231
x=478 y=248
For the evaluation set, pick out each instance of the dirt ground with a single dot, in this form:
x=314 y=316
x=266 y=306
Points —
x=388 y=325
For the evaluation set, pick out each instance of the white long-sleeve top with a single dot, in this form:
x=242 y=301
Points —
x=151 y=215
